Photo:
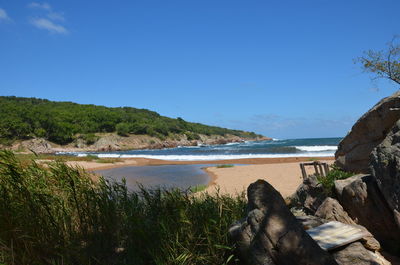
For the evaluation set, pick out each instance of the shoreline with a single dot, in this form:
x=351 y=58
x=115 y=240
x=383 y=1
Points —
x=107 y=142
x=283 y=173
x=90 y=166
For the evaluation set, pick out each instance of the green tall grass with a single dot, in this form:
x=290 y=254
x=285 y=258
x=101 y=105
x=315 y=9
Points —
x=58 y=215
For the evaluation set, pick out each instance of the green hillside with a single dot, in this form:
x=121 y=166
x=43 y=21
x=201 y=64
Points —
x=61 y=122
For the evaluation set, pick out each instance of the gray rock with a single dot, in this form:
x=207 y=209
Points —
x=309 y=221
x=277 y=237
x=309 y=195
x=340 y=184
x=362 y=200
x=356 y=254
x=369 y=131
x=37 y=145
x=331 y=210
x=385 y=166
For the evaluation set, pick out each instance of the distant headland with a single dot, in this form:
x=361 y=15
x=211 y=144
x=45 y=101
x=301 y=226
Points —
x=46 y=126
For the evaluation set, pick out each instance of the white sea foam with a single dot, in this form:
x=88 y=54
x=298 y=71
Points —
x=317 y=148
x=209 y=157
x=190 y=146
x=236 y=143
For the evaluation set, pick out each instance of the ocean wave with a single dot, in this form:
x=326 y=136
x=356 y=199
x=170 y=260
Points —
x=317 y=148
x=189 y=146
x=208 y=157
x=235 y=143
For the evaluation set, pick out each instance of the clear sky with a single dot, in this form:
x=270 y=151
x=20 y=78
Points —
x=282 y=68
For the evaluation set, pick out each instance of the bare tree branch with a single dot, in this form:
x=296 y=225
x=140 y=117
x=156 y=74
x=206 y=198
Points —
x=383 y=64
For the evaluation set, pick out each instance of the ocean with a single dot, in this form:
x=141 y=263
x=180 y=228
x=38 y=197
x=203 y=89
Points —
x=313 y=147
x=186 y=176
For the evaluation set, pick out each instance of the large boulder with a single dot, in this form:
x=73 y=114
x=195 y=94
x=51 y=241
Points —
x=273 y=234
x=385 y=166
x=309 y=195
x=363 y=201
x=356 y=254
x=369 y=131
x=331 y=210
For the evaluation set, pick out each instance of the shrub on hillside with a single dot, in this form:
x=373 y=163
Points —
x=122 y=129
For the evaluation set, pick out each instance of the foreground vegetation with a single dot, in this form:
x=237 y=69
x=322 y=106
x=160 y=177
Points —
x=63 y=122
x=27 y=158
x=58 y=215
x=328 y=181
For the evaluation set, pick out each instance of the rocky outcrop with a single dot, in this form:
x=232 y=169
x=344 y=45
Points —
x=362 y=200
x=385 y=165
x=369 y=131
x=37 y=145
x=273 y=233
x=310 y=221
x=113 y=142
x=356 y=254
x=331 y=210
x=309 y=195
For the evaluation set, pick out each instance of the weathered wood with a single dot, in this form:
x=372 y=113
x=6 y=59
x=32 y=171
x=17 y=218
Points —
x=321 y=169
x=335 y=234
x=326 y=168
x=322 y=173
x=303 y=171
x=316 y=169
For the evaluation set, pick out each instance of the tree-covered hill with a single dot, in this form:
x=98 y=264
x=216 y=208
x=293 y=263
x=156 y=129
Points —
x=61 y=122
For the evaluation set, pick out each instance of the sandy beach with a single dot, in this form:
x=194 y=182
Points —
x=285 y=177
x=283 y=173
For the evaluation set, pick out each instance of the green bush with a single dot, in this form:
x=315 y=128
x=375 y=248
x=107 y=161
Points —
x=40 y=132
x=328 y=182
x=225 y=166
x=192 y=136
x=90 y=138
x=58 y=215
x=122 y=129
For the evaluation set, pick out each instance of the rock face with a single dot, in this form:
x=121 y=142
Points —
x=309 y=195
x=331 y=210
x=369 y=131
x=309 y=221
x=38 y=145
x=273 y=233
x=385 y=166
x=356 y=254
x=362 y=200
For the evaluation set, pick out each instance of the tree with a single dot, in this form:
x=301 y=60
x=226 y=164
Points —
x=383 y=64
x=122 y=129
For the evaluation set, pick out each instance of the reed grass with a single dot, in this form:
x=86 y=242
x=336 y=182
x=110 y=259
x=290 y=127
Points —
x=58 y=215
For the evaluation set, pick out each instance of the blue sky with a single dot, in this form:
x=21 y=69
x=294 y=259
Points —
x=281 y=68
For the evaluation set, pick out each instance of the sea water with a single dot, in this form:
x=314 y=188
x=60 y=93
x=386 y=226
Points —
x=163 y=176
x=186 y=176
x=315 y=147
